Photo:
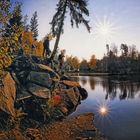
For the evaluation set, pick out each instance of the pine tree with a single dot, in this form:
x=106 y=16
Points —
x=4 y=18
x=34 y=25
x=10 y=29
x=4 y=15
x=78 y=12
x=14 y=29
x=25 y=23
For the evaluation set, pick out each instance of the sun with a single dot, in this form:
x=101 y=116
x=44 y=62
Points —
x=105 y=28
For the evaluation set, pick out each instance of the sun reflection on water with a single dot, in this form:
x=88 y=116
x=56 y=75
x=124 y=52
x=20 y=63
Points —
x=103 y=115
x=103 y=110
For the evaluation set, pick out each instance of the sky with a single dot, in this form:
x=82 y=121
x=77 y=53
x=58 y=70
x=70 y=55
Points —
x=112 y=22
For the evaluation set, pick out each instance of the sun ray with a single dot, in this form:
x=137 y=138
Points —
x=105 y=29
x=103 y=109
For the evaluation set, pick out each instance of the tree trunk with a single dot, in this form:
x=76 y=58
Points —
x=59 y=33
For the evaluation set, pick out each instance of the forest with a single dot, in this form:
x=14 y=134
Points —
x=117 y=60
x=40 y=96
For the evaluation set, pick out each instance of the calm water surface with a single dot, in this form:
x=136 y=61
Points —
x=121 y=98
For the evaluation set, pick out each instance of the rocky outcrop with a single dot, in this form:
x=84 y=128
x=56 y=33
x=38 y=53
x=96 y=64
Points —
x=32 y=95
x=39 y=91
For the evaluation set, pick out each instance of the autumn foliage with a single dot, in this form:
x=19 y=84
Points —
x=73 y=62
x=92 y=62
x=5 y=58
x=39 y=48
x=10 y=30
x=27 y=40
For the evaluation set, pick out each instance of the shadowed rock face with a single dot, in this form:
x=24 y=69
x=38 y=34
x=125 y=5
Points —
x=39 y=91
x=8 y=94
x=7 y=99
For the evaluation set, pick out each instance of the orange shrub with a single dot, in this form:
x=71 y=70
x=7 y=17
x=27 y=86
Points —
x=27 y=40
x=39 y=48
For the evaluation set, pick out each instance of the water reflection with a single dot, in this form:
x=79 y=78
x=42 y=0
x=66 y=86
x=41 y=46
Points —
x=115 y=102
x=83 y=80
x=92 y=83
x=114 y=87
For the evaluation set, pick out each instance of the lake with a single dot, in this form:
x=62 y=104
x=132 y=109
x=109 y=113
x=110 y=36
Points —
x=115 y=102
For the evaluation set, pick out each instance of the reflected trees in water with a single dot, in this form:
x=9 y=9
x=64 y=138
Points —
x=122 y=89
x=92 y=83
x=83 y=80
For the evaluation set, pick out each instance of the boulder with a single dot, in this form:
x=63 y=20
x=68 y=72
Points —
x=33 y=78
x=70 y=83
x=23 y=66
x=70 y=98
x=83 y=93
x=39 y=91
x=73 y=95
x=22 y=94
x=45 y=68
x=40 y=78
x=22 y=63
x=8 y=94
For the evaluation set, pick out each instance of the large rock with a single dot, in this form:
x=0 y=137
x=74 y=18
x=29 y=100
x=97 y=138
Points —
x=45 y=68
x=83 y=93
x=22 y=94
x=7 y=95
x=22 y=66
x=39 y=91
x=41 y=78
x=70 y=98
x=69 y=84
x=32 y=78
x=22 y=63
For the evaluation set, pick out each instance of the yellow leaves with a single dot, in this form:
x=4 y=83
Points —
x=5 y=59
x=73 y=61
x=27 y=38
x=50 y=36
x=39 y=48
x=27 y=41
x=15 y=38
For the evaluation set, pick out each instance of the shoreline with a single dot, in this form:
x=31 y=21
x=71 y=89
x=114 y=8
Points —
x=80 y=127
x=100 y=74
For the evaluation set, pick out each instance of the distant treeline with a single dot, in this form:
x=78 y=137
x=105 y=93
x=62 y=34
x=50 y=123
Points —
x=118 y=60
